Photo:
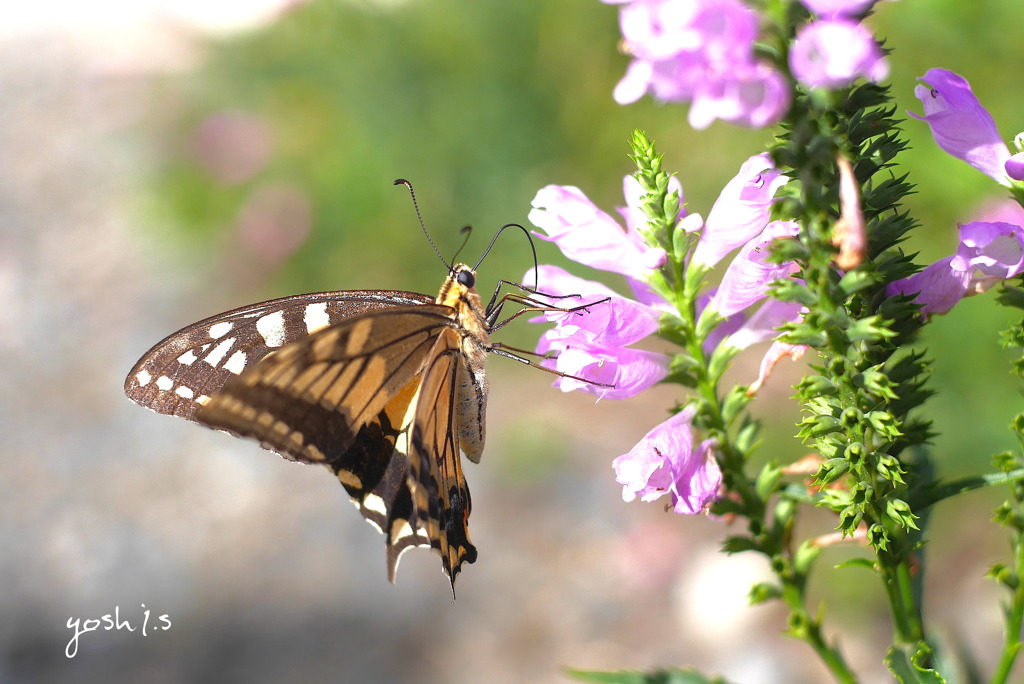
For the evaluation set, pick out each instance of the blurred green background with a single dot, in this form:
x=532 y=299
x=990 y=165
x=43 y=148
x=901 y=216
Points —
x=192 y=172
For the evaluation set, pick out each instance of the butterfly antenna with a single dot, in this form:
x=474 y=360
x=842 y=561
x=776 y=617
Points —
x=532 y=249
x=419 y=217
x=467 y=231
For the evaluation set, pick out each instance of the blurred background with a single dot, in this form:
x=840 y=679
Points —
x=164 y=161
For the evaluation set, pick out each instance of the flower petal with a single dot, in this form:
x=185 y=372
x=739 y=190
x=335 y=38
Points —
x=665 y=461
x=588 y=235
x=616 y=322
x=833 y=53
x=765 y=323
x=741 y=210
x=630 y=371
x=938 y=287
x=960 y=124
x=749 y=276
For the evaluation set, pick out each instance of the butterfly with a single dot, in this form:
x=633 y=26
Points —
x=383 y=387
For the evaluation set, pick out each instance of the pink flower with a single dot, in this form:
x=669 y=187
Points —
x=988 y=253
x=828 y=9
x=751 y=273
x=741 y=210
x=833 y=53
x=961 y=125
x=765 y=323
x=666 y=461
x=592 y=343
x=700 y=51
x=589 y=236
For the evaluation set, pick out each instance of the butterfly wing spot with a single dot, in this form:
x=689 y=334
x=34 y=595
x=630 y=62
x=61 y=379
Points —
x=143 y=377
x=271 y=328
x=375 y=503
x=184 y=392
x=164 y=383
x=219 y=330
x=315 y=317
x=188 y=358
x=236 y=364
x=218 y=353
x=348 y=478
x=400 y=530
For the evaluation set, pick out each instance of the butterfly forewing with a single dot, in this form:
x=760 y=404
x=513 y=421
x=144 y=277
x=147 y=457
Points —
x=182 y=371
x=309 y=400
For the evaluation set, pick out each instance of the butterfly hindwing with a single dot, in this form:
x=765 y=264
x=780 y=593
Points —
x=440 y=494
x=376 y=476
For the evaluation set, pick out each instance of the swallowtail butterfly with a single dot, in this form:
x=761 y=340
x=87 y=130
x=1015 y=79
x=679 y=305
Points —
x=383 y=387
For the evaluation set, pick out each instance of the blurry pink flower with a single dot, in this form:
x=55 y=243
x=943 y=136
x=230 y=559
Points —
x=827 y=9
x=233 y=146
x=833 y=53
x=275 y=221
x=700 y=51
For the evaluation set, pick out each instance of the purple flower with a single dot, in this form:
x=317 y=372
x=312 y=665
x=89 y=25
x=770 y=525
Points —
x=741 y=210
x=589 y=236
x=700 y=51
x=592 y=343
x=1015 y=166
x=749 y=276
x=960 y=124
x=665 y=461
x=833 y=53
x=616 y=322
x=988 y=253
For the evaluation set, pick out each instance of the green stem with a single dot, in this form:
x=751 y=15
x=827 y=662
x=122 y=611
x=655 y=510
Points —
x=939 y=492
x=808 y=629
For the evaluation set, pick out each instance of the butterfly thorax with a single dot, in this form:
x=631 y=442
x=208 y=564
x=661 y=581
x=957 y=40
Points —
x=470 y=395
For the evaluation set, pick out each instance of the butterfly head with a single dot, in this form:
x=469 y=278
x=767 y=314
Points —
x=459 y=289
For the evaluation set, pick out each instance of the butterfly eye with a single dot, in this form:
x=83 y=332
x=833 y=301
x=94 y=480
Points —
x=466 y=278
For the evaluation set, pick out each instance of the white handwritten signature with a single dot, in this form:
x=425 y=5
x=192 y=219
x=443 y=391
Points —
x=111 y=621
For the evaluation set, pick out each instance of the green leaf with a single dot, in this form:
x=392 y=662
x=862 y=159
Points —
x=907 y=667
x=805 y=556
x=865 y=563
x=857 y=280
x=737 y=544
